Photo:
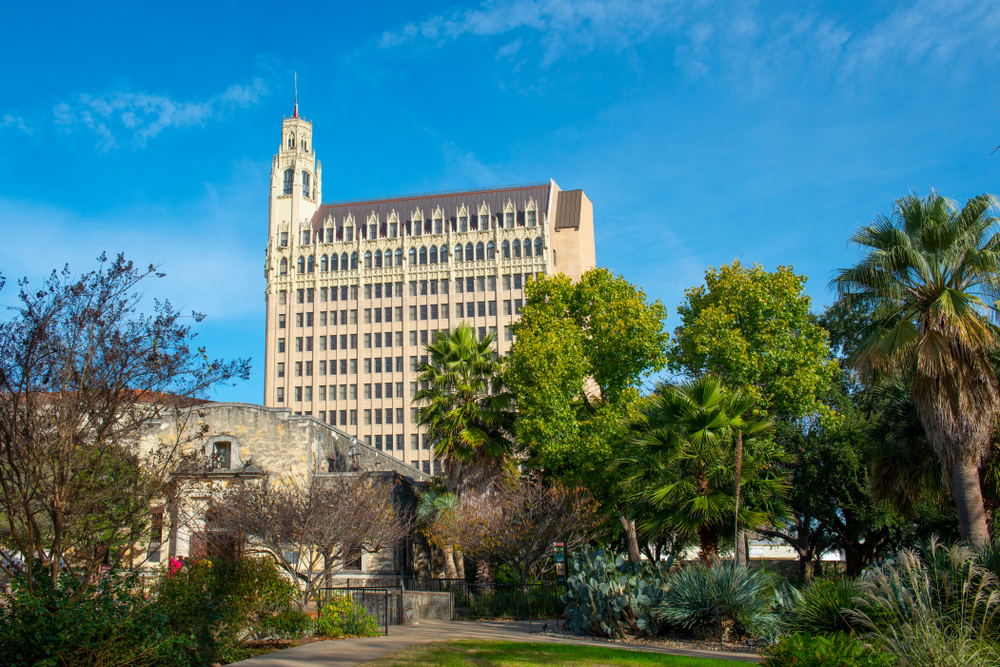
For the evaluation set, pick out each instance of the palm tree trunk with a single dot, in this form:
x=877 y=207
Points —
x=969 y=502
x=459 y=563
x=449 y=562
x=708 y=536
x=738 y=553
x=631 y=539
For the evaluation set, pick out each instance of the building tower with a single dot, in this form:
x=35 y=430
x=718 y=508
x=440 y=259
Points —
x=355 y=290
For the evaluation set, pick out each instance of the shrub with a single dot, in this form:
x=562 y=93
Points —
x=106 y=625
x=822 y=604
x=608 y=597
x=341 y=616
x=701 y=597
x=837 y=650
x=939 y=607
x=224 y=602
x=287 y=624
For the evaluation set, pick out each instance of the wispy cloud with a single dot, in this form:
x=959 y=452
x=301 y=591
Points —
x=16 y=122
x=141 y=116
x=748 y=43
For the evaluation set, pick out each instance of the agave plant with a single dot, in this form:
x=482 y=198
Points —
x=702 y=597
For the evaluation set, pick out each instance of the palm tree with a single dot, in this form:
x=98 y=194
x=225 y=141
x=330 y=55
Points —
x=437 y=512
x=932 y=272
x=468 y=414
x=688 y=436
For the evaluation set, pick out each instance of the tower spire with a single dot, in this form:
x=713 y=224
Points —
x=295 y=112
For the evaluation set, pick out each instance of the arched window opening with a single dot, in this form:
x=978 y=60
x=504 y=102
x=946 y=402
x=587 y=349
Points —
x=289 y=179
x=311 y=265
x=480 y=251
x=469 y=256
x=458 y=253
x=434 y=255
x=291 y=141
x=378 y=260
x=368 y=260
x=354 y=260
x=444 y=254
x=423 y=255
x=388 y=258
x=505 y=250
x=538 y=247
x=490 y=250
x=343 y=262
x=284 y=266
x=333 y=262
x=412 y=257
x=305 y=183
x=527 y=247
x=517 y=248
x=301 y=265
x=399 y=257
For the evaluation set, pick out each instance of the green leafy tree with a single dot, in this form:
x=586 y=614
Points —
x=468 y=414
x=932 y=273
x=581 y=353
x=753 y=329
x=437 y=513
x=687 y=437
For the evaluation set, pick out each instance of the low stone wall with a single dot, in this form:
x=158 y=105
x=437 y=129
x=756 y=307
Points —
x=419 y=605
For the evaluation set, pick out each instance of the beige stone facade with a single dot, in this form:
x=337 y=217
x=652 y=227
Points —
x=356 y=289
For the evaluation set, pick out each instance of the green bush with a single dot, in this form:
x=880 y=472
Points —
x=225 y=602
x=700 y=597
x=821 y=606
x=837 y=650
x=608 y=597
x=288 y=624
x=340 y=616
x=111 y=624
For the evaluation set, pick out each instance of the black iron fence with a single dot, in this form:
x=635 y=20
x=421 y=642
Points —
x=384 y=604
x=513 y=601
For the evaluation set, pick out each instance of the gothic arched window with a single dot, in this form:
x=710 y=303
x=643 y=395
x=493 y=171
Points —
x=284 y=266
x=302 y=264
x=480 y=254
x=413 y=257
x=468 y=252
x=538 y=247
x=311 y=265
x=490 y=250
x=354 y=260
x=388 y=258
x=305 y=183
x=438 y=226
x=343 y=261
x=324 y=264
x=484 y=222
x=423 y=255
x=399 y=257
x=378 y=260
x=517 y=248
x=527 y=247
x=444 y=254
x=505 y=250
x=368 y=259
x=458 y=253
x=289 y=179
x=508 y=221
x=333 y=262
x=433 y=255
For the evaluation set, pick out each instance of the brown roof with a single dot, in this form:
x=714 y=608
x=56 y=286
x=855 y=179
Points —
x=568 y=209
x=450 y=203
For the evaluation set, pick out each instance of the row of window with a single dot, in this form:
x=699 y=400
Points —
x=423 y=312
x=417 y=288
x=424 y=255
x=290 y=177
x=369 y=340
x=392 y=230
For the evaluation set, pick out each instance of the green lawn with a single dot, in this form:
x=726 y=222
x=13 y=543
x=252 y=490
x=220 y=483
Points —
x=473 y=653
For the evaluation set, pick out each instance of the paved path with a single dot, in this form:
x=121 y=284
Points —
x=346 y=652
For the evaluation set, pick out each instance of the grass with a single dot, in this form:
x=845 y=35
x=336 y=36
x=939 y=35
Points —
x=474 y=653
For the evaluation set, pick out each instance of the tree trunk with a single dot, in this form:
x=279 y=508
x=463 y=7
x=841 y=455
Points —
x=449 y=562
x=460 y=563
x=709 y=540
x=806 y=567
x=484 y=573
x=739 y=555
x=969 y=502
x=631 y=539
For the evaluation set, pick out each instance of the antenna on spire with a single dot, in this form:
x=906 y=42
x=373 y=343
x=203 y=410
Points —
x=295 y=113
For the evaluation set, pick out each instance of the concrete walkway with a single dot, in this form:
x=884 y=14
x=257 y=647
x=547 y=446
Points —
x=346 y=652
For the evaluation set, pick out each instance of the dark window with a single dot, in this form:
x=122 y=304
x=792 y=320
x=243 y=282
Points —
x=289 y=178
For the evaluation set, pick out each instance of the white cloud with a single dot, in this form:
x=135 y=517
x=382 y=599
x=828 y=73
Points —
x=142 y=116
x=9 y=120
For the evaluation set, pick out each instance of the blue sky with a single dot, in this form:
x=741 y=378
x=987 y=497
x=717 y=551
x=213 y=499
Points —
x=702 y=131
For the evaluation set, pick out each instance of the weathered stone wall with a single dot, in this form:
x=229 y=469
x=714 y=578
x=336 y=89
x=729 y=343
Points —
x=418 y=605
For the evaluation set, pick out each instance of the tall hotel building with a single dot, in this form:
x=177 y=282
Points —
x=356 y=289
